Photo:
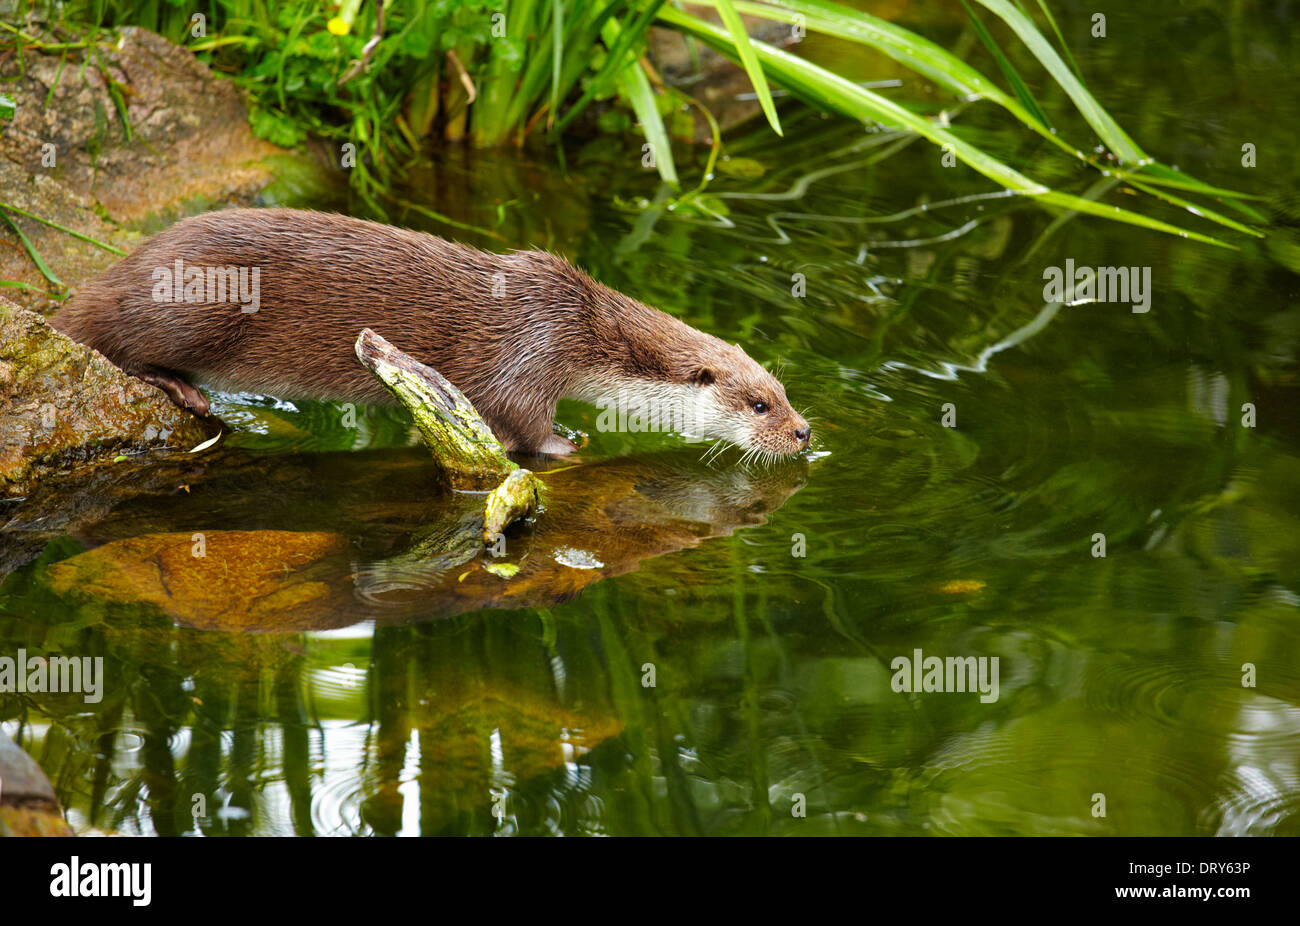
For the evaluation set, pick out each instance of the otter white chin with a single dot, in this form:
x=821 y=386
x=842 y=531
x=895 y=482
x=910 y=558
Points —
x=515 y=332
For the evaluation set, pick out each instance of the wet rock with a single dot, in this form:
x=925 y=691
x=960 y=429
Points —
x=28 y=806
x=63 y=404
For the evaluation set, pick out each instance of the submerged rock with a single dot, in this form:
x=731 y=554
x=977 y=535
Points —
x=62 y=403
x=385 y=553
x=217 y=579
x=28 y=806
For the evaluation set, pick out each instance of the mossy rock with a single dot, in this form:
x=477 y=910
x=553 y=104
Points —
x=63 y=404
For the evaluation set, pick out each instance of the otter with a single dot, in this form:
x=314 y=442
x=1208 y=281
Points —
x=272 y=301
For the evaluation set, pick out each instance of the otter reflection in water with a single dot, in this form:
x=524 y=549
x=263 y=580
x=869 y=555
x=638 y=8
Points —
x=602 y=519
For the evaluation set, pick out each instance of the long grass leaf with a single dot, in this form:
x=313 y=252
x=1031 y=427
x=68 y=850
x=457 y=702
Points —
x=635 y=87
x=20 y=284
x=615 y=61
x=63 y=228
x=913 y=51
x=1008 y=69
x=1107 y=128
x=749 y=60
x=1060 y=39
x=840 y=95
x=32 y=252
x=557 y=53
x=939 y=65
x=1195 y=208
x=1161 y=175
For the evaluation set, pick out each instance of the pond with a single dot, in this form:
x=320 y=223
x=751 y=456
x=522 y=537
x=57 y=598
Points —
x=1095 y=507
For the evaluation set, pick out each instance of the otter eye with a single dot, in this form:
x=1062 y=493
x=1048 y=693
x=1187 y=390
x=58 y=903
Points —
x=760 y=407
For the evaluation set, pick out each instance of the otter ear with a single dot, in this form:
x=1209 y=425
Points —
x=701 y=376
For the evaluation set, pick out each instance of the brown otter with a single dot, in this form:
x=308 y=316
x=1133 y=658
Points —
x=272 y=301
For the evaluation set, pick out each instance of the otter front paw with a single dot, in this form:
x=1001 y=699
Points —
x=177 y=389
x=557 y=446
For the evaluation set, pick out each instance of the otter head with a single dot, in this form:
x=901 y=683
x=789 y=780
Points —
x=657 y=369
x=737 y=400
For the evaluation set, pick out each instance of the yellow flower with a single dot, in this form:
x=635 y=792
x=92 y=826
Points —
x=337 y=26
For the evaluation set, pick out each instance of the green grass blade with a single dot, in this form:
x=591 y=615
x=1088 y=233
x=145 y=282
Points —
x=1008 y=69
x=1195 y=208
x=304 y=17
x=32 y=252
x=848 y=99
x=63 y=228
x=557 y=53
x=119 y=103
x=20 y=284
x=1060 y=39
x=911 y=50
x=1160 y=175
x=615 y=61
x=63 y=59
x=1079 y=204
x=749 y=60
x=635 y=87
x=1107 y=128
x=942 y=67
x=837 y=94
x=497 y=79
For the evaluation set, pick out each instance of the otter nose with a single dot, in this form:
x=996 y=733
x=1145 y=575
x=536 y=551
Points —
x=802 y=434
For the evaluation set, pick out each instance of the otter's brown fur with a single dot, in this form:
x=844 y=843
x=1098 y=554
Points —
x=515 y=332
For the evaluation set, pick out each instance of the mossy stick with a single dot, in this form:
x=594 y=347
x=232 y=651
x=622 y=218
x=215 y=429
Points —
x=452 y=428
x=461 y=441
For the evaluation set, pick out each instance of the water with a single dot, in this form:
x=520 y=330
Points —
x=665 y=661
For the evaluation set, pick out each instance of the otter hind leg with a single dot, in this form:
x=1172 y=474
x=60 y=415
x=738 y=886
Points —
x=178 y=390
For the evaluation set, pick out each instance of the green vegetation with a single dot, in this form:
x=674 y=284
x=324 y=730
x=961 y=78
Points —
x=389 y=79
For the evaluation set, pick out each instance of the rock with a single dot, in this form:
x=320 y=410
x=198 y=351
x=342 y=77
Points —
x=23 y=780
x=398 y=561
x=189 y=134
x=62 y=403
x=255 y=579
x=184 y=146
x=28 y=805
x=718 y=83
x=75 y=162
